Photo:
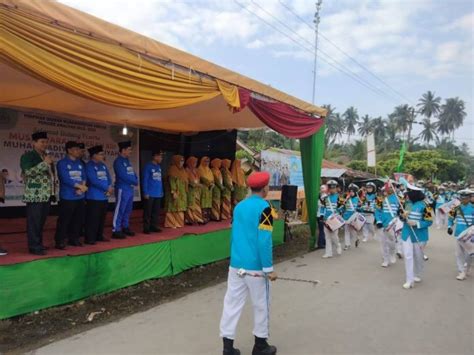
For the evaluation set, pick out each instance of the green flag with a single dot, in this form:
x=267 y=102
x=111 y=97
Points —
x=403 y=149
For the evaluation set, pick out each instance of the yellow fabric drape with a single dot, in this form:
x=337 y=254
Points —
x=100 y=71
x=230 y=93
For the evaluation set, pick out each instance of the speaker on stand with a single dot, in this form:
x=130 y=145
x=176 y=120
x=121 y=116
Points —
x=288 y=204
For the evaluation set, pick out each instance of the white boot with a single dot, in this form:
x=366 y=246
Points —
x=461 y=276
x=384 y=264
x=417 y=279
x=393 y=259
x=339 y=249
x=407 y=285
x=326 y=256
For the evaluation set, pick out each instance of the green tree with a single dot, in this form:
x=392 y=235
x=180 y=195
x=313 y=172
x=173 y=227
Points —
x=428 y=133
x=404 y=116
x=365 y=125
x=351 y=118
x=429 y=105
x=452 y=116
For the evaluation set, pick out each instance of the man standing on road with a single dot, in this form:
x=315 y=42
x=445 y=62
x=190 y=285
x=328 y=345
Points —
x=152 y=186
x=38 y=172
x=251 y=252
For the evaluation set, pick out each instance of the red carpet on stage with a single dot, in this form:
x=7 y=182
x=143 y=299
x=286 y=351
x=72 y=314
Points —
x=13 y=238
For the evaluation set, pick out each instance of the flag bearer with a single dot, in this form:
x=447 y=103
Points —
x=251 y=250
x=386 y=212
x=97 y=196
x=351 y=203
x=463 y=217
x=125 y=180
x=72 y=189
x=330 y=207
x=418 y=217
x=152 y=185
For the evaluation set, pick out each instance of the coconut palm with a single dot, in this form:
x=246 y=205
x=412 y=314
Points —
x=452 y=116
x=365 y=125
x=378 y=127
x=335 y=128
x=351 y=118
x=404 y=117
x=429 y=105
x=428 y=133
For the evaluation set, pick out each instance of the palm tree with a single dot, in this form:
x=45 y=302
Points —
x=404 y=117
x=428 y=133
x=378 y=127
x=452 y=116
x=335 y=128
x=365 y=125
x=429 y=105
x=351 y=118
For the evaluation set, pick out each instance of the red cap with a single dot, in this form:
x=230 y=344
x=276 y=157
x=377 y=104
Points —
x=258 y=180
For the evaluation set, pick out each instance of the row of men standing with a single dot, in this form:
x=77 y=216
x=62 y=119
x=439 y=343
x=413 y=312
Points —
x=193 y=194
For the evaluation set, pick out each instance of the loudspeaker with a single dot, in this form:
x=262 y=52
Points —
x=288 y=197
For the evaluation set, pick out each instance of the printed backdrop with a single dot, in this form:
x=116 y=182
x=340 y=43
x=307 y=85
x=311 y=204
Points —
x=15 y=138
x=284 y=168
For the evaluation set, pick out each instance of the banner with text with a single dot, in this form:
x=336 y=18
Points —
x=284 y=168
x=16 y=128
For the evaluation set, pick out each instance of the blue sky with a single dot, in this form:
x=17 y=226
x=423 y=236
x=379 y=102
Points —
x=413 y=45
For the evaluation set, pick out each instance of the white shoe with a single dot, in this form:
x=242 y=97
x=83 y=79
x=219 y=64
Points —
x=425 y=257
x=468 y=269
x=407 y=285
x=416 y=279
x=393 y=259
x=364 y=240
x=461 y=276
x=339 y=249
x=326 y=256
x=384 y=264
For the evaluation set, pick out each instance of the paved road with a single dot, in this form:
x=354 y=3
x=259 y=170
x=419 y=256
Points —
x=359 y=308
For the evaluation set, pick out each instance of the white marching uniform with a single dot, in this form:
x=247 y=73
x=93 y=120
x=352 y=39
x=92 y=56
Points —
x=251 y=250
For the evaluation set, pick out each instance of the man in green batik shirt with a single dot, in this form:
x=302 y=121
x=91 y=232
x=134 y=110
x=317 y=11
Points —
x=37 y=168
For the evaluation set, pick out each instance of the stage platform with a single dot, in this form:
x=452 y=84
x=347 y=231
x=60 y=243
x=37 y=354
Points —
x=29 y=283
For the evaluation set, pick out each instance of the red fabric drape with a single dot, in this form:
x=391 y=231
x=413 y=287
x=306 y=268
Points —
x=281 y=117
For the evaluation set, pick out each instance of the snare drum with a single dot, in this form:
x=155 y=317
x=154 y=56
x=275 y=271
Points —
x=357 y=221
x=334 y=222
x=466 y=239
x=395 y=225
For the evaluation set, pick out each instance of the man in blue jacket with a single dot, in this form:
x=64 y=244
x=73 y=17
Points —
x=251 y=267
x=152 y=186
x=100 y=189
x=72 y=189
x=125 y=180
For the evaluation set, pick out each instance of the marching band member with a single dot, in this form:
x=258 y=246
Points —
x=463 y=217
x=417 y=218
x=440 y=199
x=368 y=209
x=386 y=213
x=330 y=207
x=251 y=250
x=350 y=204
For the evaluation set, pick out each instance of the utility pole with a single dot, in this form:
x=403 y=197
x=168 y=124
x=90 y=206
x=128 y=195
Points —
x=316 y=21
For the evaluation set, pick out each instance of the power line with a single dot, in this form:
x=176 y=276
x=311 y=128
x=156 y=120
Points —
x=313 y=46
x=347 y=55
x=353 y=76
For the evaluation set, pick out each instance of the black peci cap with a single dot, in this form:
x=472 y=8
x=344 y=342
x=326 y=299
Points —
x=124 y=145
x=39 y=135
x=94 y=150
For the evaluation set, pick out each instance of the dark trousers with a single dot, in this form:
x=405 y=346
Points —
x=321 y=235
x=95 y=219
x=70 y=218
x=36 y=214
x=151 y=210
